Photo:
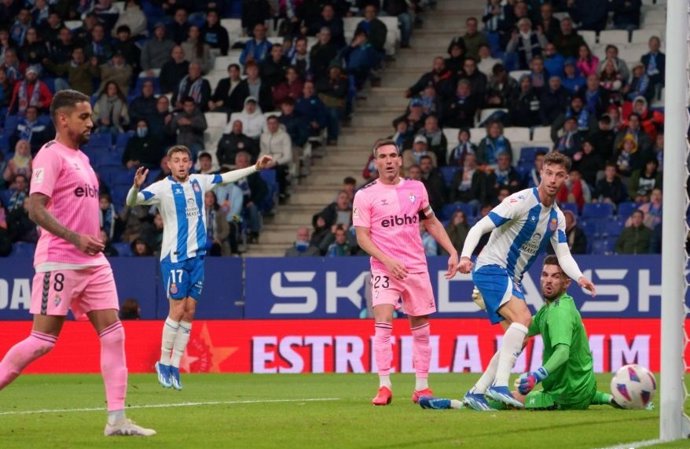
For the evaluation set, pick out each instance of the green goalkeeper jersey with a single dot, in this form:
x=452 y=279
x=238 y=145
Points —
x=560 y=323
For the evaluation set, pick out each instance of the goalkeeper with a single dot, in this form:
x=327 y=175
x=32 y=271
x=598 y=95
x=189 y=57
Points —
x=566 y=375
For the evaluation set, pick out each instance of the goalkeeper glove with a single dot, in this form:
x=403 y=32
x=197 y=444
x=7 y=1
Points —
x=528 y=382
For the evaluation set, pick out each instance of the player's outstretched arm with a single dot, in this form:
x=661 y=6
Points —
x=570 y=267
x=263 y=163
x=40 y=215
x=395 y=267
x=438 y=232
x=472 y=240
x=139 y=179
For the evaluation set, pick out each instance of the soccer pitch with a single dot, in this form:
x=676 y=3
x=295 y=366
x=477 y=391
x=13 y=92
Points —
x=296 y=411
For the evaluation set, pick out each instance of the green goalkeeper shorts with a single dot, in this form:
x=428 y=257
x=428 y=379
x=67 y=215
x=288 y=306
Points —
x=540 y=400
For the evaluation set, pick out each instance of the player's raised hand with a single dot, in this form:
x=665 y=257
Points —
x=89 y=244
x=587 y=285
x=452 y=266
x=396 y=268
x=140 y=176
x=465 y=265
x=264 y=162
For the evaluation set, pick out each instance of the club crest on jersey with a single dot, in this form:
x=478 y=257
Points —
x=173 y=289
x=553 y=225
x=412 y=197
x=57 y=300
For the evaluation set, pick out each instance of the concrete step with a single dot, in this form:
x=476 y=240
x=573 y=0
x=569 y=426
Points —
x=268 y=249
x=312 y=196
x=393 y=99
x=364 y=137
x=280 y=237
x=345 y=158
x=372 y=108
x=295 y=219
x=375 y=117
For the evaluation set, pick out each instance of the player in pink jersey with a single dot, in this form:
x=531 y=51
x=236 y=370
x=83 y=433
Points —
x=71 y=270
x=386 y=216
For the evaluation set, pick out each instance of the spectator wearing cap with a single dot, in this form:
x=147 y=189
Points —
x=254 y=86
x=214 y=34
x=143 y=149
x=420 y=148
x=257 y=48
x=193 y=86
x=553 y=61
x=628 y=157
x=30 y=92
x=439 y=77
x=525 y=105
x=173 y=71
x=80 y=73
x=435 y=138
x=459 y=111
x=572 y=79
x=157 y=50
x=493 y=144
x=118 y=71
x=655 y=63
x=233 y=142
x=226 y=96
x=414 y=116
x=322 y=54
x=133 y=17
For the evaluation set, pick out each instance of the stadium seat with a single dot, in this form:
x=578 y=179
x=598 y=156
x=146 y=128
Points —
x=529 y=154
x=448 y=173
x=476 y=134
x=654 y=18
x=99 y=141
x=597 y=210
x=233 y=27
x=122 y=139
x=616 y=37
x=140 y=83
x=216 y=119
x=123 y=249
x=23 y=249
x=572 y=207
x=449 y=209
x=642 y=36
x=601 y=247
x=590 y=37
x=485 y=114
x=625 y=209
x=5 y=197
x=517 y=74
x=612 y=229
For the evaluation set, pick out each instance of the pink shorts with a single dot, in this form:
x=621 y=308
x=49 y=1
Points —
x=415 y=291
x=56 y=292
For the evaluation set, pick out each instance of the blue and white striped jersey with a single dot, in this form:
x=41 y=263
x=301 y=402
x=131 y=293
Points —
x=524 y=226
x=182 y=208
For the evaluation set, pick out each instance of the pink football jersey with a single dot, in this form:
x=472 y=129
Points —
x=392 y=214
x=66 y=177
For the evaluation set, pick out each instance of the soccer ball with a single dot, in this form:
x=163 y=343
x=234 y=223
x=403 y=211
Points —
x=633 y=386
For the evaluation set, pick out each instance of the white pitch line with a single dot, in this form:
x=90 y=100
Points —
x=179 y=404
x=635 y=444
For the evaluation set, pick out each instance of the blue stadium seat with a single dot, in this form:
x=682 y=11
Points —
x=528 y=154
x=448 y=173
x=449 y=209
x=597 y=210
x=572 y=207
x=613 y=228
x=589 y=228
x=50 y=82
x=23 y=249
x=625 y=209
x=98 y=141
x=123 y=249
x=600 y=247
x=122 y=139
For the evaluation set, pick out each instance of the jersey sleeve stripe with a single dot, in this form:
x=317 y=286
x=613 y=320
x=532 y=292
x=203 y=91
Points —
x=497 y=219
x=147 y=195
x=217 y=179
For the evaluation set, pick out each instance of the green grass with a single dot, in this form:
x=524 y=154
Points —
x=347 y=422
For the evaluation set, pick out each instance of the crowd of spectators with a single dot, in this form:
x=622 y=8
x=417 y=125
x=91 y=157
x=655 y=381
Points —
x=151 y=69
x=529 y=69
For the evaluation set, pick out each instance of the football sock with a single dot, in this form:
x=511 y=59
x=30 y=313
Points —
x=601 y=398
x=421 y=355
x=385 y=381
x=114 y=365
x=383 y=351
x=169 y=332
x=115 y=416
x=181 y=339
x=509 y=352
x=23 y=353
x=488 y=376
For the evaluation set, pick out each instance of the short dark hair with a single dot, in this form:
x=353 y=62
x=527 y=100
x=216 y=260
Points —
x=179 y=149
x=66 y=99
x=235 y=65
x=350 y=180
x=551 y=259
x=205 y=155
x=382 y=143
x=556 y=158
x=187 y=100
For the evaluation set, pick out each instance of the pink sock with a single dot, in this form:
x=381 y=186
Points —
x=421 y=351
x=114 y=365
x=383 y=351
x=23 y=353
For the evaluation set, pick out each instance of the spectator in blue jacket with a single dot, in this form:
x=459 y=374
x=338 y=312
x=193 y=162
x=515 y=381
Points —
x=312 y=109
x=258 y=48
x=360 y=57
